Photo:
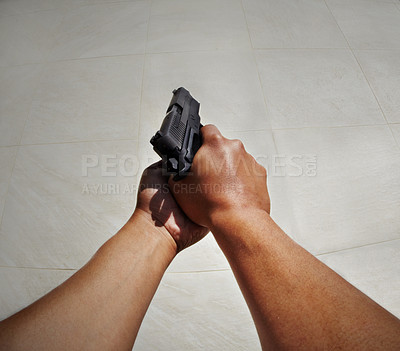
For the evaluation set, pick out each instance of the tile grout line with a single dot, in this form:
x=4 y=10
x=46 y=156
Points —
x=39 y=78
x=76 y=269
x=383 y=114
x=333 y=127
x=108 y=56
x=71 y=142
x=391 y=130
x=70 y=59
x=41 y=268
x=8 y=186
x=376 y=98
x=365 y=76
x=356 y=247
x=253 y=53
x=143 y=74
x=337 y=24
x=40 y=75
x=57 y=30
x=258 y=74
x=212 y=270
x=202 y=271
x=104 y=2
x=247 y=24
x=27 y=118
x=325 y=48
x=178 y=52
x=304 y=48
x=61 y=8
x=233 y=131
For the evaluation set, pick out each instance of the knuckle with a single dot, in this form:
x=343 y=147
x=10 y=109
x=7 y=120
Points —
x=260 y=169
x=217 y=138
x=263 y=170
x=237 y=144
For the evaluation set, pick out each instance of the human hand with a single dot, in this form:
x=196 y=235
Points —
x=156 y=202
x=226 y=181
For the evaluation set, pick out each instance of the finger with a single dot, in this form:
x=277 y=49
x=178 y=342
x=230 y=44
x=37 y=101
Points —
x=155 y=165
x=209 y=133
x=154 y=170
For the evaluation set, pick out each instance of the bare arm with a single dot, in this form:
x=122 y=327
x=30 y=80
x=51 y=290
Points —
x=296 y=301
x=102 y=306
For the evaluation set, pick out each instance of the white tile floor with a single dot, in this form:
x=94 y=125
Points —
x=308 y=80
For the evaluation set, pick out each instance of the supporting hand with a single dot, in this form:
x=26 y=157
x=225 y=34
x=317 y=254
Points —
x=156 y=202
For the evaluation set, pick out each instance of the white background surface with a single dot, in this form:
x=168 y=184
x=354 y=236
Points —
x=304 y=77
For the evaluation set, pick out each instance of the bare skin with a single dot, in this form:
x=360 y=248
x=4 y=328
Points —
x=102 y=306
x=296 y=301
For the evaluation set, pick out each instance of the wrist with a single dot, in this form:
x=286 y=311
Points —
x=155 y=232
x=139 y=243
x=235 y=221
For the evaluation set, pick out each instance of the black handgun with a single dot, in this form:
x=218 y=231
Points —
x=179 y=137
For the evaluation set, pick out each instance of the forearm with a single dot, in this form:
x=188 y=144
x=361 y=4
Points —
x=296 y=301
x=103 y=304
